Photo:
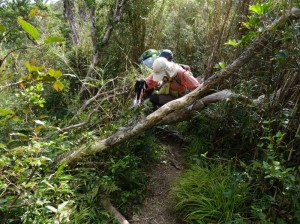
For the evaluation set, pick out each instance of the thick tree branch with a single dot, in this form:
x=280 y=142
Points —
x=159 y=115
x=184 y=114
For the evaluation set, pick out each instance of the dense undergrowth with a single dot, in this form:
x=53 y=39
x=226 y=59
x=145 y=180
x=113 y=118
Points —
x=258 y=156
x=243 y=158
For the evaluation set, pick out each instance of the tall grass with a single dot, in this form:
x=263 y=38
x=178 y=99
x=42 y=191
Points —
x=212 y=194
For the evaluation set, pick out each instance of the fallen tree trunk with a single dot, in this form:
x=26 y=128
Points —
x=175 y=105
x=184 y=114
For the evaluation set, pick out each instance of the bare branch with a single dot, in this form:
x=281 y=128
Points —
x=101 y=93
x=89 y=116
x=2 y=60
x=11 y=84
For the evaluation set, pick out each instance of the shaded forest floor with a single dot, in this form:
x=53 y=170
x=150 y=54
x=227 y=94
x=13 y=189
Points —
x=157 y=208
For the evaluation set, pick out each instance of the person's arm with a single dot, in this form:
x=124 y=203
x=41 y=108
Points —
x=185 y=67
x=150 y=83
x=143 y=87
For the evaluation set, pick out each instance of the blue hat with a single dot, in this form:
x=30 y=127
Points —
x=166 y=53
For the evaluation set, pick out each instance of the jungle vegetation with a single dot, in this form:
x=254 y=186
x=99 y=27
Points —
x=67 y=70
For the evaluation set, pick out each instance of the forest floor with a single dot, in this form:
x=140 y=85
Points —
x=157 y=208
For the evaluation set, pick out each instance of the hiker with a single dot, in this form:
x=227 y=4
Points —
x=174 y=82
x=168 y=54
x=148 y=57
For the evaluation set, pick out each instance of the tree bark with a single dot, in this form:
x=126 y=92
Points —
x=160 y=115
x=69 y=12
x=184 y=114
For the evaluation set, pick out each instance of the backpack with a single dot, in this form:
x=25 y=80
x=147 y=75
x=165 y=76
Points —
x=149 y=53
x=164 y=88
x=186 y=68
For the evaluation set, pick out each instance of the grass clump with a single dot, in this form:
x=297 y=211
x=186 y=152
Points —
x=211 y=194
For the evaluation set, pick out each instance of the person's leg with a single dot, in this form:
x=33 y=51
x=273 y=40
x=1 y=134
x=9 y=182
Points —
x=154 y=99
x=161 y=99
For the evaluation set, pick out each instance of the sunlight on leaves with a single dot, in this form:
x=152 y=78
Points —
x=51 y=208
x=31 y=68
x=33 y=11
x=260 y=9
x=58 y=86
x=54 y=39
x=55 y=73
x=5 y=113
x=233 y=43
x=2 y=28
x=31 y=30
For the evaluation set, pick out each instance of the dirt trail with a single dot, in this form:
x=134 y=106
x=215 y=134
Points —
x=157 y=207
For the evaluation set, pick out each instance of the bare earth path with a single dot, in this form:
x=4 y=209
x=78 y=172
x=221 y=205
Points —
x=157 y=207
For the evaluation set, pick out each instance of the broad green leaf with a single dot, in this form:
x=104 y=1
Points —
x=46 y=78
x=33 y=11
x=62 y=206
x=233 y=43
x=256 y=8
x=59 y=170
x=54 y=39
x=58 y=86
x=222 y=64
x=4 y=112
x=38 y=129
x=44 y=158
x=31 y=30
x=18 y=134
x=253 y=21
x=17 y=119
x=31 y=68
x=51 y=208
x=2 y=28
x=54 y=73
x=260 y=9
